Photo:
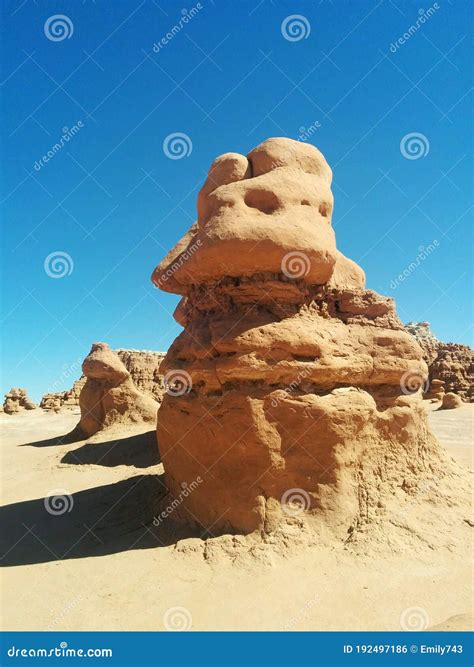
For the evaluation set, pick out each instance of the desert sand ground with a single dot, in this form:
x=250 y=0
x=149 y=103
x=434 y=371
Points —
x=98 y=566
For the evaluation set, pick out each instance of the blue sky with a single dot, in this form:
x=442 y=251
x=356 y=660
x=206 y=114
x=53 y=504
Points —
x=114 y=202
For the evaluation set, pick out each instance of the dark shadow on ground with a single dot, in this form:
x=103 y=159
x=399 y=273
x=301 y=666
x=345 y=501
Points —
x=138 y=450
x=68 y=438
x=95 y=522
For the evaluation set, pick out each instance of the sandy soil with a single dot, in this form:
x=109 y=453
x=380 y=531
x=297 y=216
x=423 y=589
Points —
x=95 y=562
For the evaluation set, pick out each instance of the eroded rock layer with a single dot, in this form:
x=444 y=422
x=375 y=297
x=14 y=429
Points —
x=296 y=384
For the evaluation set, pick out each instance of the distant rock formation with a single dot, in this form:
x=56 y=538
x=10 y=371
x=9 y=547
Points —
x=451 y=401
x=109 y=395
x=143 y=366
x=425 y=338
x=17 y=400
x=63 y=399
x=452 y=363
x=293 y=390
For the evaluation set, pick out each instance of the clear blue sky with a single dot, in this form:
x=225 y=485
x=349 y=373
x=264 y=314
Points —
x=115 y=203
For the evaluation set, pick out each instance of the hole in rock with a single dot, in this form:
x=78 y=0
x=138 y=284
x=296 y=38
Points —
x=324 y=209
x=263 y=200
x=303 y=357
x=305 y=202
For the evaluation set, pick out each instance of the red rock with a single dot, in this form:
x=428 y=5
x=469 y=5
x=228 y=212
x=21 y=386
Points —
x=297 y=386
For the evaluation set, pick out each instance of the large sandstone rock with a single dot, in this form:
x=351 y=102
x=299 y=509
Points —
x=295 y=386
x=109 y=395
x=450 y=363
x=17 y=400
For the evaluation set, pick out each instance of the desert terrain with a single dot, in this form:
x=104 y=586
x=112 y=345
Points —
x=103 y=565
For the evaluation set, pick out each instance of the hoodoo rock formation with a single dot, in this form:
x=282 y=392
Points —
x=296 y=386
x=17 y=400
x=143 y=366
x=109 y=395
x=451 y=363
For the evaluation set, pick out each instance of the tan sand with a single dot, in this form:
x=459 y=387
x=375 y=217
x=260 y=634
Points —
x=100 y=567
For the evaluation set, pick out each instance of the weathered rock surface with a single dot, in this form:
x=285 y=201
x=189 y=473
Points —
x=451 y=401
x=143 y=366
x=17 y=400
x=109 y=395
x=296 y=388
x=451 y=363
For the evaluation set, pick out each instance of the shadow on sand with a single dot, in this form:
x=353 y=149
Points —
x=138 y=450
x=95 y=522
